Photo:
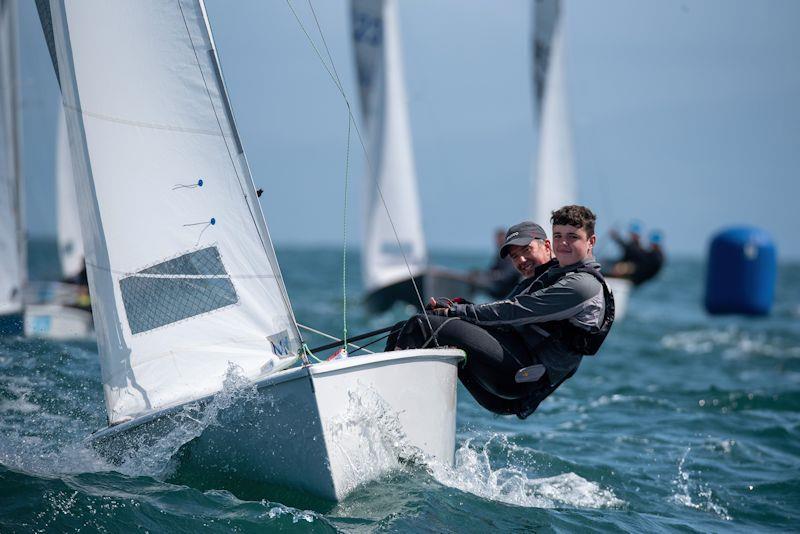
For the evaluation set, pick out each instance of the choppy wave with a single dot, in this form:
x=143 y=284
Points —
x=732 y=342
x=683 y=422
x=157 y=458
x=476 y=472
x=692 y=493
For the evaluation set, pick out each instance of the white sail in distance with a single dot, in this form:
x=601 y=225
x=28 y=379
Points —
x=379 y=63
x=554 y=184
x=70 y=244
x=182 y=273
x=13 y=267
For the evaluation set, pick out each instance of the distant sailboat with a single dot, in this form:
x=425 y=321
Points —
x=70 y=243
x=57 y=310
x=13 y=268
x=553 y=180
x=186 y=288
x=387 y=265
x=26 y=308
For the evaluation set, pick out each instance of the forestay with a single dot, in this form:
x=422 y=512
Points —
x=182 y=273
x=12 y=232
x=554 y=183
x=376 y=37
x=70 y=245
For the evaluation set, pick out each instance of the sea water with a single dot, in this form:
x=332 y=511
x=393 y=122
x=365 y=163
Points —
x=682 y=422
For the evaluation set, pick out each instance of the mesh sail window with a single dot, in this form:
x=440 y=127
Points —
x=177 y=289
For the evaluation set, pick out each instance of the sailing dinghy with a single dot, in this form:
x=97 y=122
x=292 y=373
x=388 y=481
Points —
x=553 y=180
x=186 y=288
x=394 y=250
x=55 y=309
x=26 y=308
x=12 y=231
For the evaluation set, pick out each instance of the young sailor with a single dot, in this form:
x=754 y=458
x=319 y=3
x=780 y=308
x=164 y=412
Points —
x=562 y=311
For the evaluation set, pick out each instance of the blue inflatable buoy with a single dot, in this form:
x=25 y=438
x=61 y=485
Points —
x=742 y=269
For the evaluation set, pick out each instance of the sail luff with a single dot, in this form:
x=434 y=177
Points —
x=554 y=183
x=182 y=283
x=70 y=242
x=248 y=185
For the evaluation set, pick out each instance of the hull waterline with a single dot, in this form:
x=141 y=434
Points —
x=323 y=429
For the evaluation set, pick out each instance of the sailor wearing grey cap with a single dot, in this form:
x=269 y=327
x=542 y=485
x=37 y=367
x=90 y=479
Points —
x=521 y=348
x=527 y=245
x=521 y=235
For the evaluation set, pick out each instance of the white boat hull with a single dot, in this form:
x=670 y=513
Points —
x=54 y=321
x=327 y=428
x=621 y=289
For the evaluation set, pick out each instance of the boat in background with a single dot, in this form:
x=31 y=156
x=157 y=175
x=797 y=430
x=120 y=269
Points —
x=13 y=254
x=553 y=179
x=61 y=310
x=27 y=307
x=70 y=243
x=187 y=292
x=394 y=250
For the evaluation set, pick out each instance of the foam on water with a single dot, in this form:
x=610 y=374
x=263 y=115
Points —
x=156 y=457
x=732 y=341
x=20 y=404
x=369 y=437
x=512 y=484
x=54 y=445
x=383 y=447
x=694 y=494
x=615 y=436
x=278 y=510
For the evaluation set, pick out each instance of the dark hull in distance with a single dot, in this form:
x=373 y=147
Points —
x=434 y=282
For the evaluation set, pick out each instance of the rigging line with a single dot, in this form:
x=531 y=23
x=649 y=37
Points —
x=316 y=50
x=224 y=96
x=325 y=43
x=323 y=334
x=338 y=85
x=364 y=347
x=344 y=237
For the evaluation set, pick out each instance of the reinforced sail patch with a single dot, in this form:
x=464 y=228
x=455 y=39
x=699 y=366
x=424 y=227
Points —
x=183 y=287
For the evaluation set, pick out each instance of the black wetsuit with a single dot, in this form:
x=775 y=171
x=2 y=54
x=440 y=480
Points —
x=649 y=265
x=645 y=263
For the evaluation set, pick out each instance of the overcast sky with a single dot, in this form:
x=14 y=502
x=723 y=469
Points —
x=685 y=115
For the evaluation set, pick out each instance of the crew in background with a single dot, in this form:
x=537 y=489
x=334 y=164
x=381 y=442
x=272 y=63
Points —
x=638 y=264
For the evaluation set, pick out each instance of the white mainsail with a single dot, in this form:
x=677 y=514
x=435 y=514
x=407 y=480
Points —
x=376 y=37
x=70 y=245
x=554 y=183
x=182 y=272
x=12 y=230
